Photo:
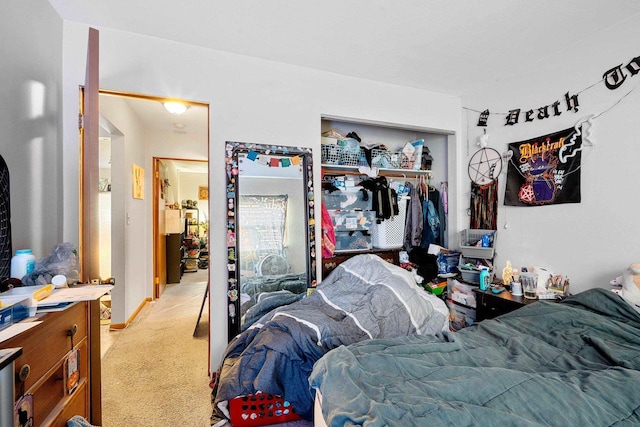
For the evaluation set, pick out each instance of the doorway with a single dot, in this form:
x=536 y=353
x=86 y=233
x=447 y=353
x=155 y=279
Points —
x=181 y=209
x=140 y=130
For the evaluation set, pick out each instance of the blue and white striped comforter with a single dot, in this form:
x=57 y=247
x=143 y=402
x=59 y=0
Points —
x=364 y=298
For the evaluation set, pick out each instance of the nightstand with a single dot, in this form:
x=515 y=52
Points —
x=490 y=305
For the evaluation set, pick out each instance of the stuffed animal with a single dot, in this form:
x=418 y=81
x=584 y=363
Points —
x=630 y=281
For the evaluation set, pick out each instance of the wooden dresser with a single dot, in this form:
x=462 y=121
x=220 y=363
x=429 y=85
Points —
x=40 y=369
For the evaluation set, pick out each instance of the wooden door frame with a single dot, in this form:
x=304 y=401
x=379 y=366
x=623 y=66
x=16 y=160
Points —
x=158 y=284
x=88 y=261
x=88 y=256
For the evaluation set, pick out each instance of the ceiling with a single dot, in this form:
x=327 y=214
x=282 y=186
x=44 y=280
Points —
x=188 y=166
x=193 y=123
x=450 y=46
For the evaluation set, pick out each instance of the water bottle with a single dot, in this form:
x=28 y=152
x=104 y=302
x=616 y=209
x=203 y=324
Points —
x=22 y=263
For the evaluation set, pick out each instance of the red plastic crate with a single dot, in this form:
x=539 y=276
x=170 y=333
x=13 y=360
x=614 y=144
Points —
x=260 y=409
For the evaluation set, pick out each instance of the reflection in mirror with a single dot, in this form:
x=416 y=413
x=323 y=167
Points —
x=270 y=232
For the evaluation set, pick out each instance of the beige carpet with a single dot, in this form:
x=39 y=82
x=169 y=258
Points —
x=155 y=373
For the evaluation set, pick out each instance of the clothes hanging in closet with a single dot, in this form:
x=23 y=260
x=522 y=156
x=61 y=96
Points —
x=384 y=198
x=414 y=223
x=434 y=219
x=328 y=234
x=444 y=198
x=436 y=198
x=444 y=190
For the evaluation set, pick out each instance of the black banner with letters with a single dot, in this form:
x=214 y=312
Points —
x=545 y=170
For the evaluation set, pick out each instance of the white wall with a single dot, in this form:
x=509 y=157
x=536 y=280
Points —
x=592 y=241
x=31 y=123
x=250 y=100
x=130 y=265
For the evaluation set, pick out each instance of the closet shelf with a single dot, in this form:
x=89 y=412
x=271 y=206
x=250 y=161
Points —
x=353 y=170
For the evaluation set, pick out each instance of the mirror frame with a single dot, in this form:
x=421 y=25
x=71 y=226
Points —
x=234 y=148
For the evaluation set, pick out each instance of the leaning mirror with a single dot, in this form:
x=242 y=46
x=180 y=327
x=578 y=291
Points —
x=270 y=230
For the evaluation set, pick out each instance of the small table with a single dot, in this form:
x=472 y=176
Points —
x=490 y=305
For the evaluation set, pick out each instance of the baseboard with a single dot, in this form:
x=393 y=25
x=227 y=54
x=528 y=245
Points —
x=132 y=317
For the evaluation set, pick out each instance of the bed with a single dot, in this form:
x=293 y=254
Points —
x=364 y=298
x=571 y=363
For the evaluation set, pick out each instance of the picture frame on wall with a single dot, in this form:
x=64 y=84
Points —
x=138 y=182
x=203 y=192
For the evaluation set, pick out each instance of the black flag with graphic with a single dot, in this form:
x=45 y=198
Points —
x=545 y=170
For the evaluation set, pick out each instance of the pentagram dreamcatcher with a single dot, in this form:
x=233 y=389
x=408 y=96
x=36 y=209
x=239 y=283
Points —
x=485 y=166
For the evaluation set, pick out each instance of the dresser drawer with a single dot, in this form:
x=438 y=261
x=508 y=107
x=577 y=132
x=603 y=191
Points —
x=48 y=393
x=46 y=344
x=75 y=404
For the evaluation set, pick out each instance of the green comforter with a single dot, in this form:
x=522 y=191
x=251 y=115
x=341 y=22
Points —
x=575 y=363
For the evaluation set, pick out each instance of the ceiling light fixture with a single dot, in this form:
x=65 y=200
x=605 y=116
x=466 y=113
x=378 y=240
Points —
x=174 y=107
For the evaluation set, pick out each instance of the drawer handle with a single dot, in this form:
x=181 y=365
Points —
x=71 y=332
x=23 y=373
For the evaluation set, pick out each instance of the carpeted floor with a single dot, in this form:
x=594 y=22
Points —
x=155 y=371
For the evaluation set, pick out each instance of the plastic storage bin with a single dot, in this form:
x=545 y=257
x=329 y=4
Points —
x=352 y=220
x=471 y=276
x=460 y=317
x=389 y=234
x=470 y=237
x=349 y=199
x=385 y=159
x=461 y=293
x=350 y=241
x=256 y=409
x=345 y=152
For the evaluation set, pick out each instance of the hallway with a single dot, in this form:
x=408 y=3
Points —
x=154 y=372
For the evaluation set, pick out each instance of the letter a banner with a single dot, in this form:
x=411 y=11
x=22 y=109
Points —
x=545 y=170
